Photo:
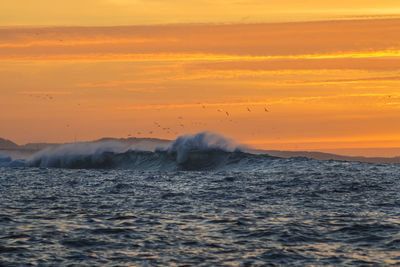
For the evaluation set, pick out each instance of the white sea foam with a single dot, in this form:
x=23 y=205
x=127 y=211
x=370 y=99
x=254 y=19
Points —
x=7 y=161
x=203 y=141
x=95 y=153
x=65 y=154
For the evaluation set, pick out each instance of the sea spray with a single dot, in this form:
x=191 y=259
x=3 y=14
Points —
x=202 y=142
x=7 y=161
x=201 y=151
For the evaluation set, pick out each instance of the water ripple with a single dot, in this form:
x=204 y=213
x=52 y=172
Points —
x=293 y=213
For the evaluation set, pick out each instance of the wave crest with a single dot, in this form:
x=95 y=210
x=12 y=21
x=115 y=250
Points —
x=201 y=142
x=6 y=161
x=68 y=155
x=201 y=151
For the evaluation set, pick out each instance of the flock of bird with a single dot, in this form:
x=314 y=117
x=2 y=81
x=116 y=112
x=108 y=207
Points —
x=158 y=126
x=41 y=96
x=170 y=130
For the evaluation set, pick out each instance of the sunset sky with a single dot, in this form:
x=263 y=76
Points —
x=288 y=75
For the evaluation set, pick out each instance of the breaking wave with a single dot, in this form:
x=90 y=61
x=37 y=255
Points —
x=6 y=161
x=185 y=145
x=201 y=151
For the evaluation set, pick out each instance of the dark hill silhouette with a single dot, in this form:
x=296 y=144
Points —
x=327 y=156
x=7 y=144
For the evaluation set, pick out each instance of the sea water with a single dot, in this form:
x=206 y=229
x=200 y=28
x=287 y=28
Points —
x=211 y=207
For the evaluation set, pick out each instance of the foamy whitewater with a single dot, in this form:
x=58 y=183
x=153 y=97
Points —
x=201 y=200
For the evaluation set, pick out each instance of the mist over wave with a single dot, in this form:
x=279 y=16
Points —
x=201 y=142
x=201 y=151
x=7 y=161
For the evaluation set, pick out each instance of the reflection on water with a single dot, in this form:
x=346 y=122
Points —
x=294 y=213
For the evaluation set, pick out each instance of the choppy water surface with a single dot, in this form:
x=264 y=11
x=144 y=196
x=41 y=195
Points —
x=293 y=212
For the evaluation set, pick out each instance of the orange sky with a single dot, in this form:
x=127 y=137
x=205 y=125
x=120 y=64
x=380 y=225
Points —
x=140 y=12
x=328 y=85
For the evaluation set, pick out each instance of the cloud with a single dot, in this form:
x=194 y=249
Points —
x=205 y=42
x=360 y=63
x=66 y=41
x=265 y=102
x=45 y=93
x=116 y=83
x=133 y=12
x=351 y=80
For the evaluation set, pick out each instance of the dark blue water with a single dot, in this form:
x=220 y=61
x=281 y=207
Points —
x=264 y=211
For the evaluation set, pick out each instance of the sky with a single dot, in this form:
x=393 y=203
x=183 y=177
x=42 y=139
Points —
x=288 y=75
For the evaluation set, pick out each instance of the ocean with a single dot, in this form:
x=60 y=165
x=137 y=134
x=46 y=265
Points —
x=202 y=201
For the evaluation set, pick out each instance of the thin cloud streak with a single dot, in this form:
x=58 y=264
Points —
x=118 y=83
x=358 y=80
x=288 y=100
x=66 y=43
x=369 y=63
x=44 y=93
x=209 y=42
x=161 y=57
